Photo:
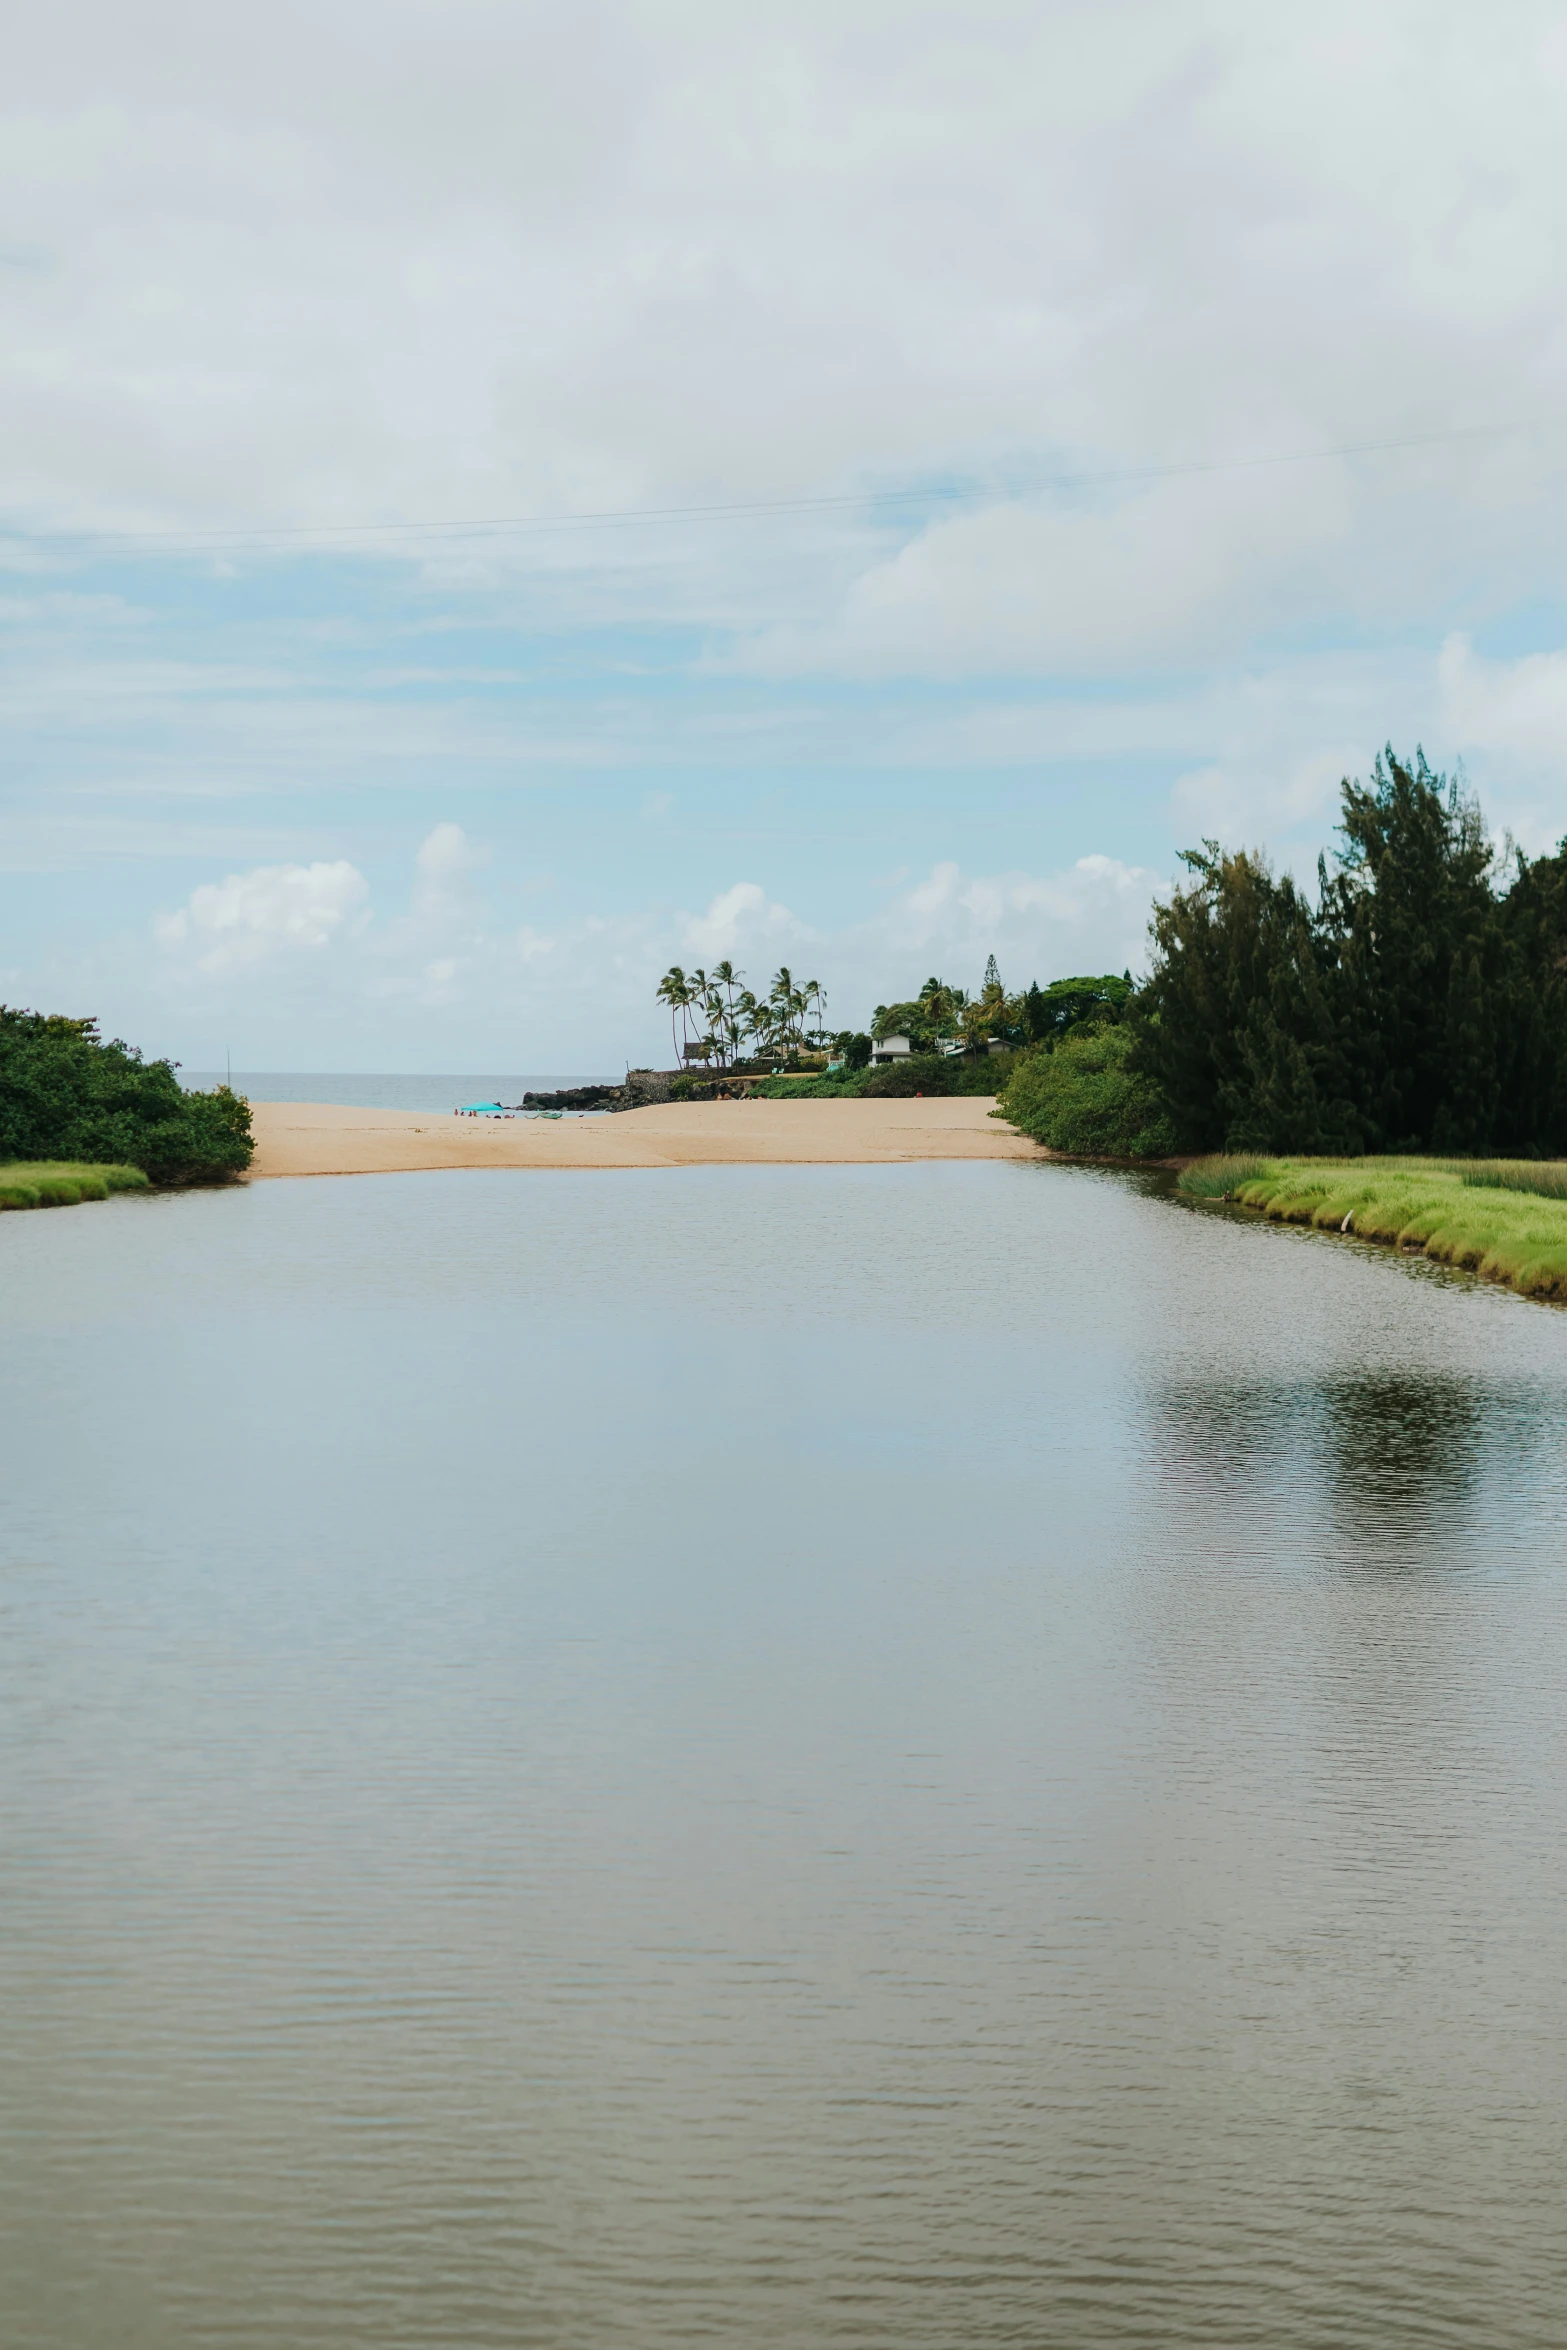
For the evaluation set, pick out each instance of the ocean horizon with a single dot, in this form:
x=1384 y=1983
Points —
x=381 y=1090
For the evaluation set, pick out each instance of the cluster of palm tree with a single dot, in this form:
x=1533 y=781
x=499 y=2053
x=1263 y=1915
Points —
x=942 y=1016
x=713 y=1015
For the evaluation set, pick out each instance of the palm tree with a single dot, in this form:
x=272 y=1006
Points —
x=713 y=1014
x=764 y=1027
x=728 y=978
x=674 y=989
x=701 y=987
x=780 y=997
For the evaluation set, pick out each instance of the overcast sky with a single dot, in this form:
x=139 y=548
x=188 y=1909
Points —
x=1138 y=414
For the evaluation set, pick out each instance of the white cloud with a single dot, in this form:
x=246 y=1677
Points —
x=1516 y=707
x=445 y=856
x=1092 y=914
x=1244 y=803
x=740 y=920
x=1146 y=574
x=397 y=262
x=235 y=925
x=363 y=263
x=444 y=865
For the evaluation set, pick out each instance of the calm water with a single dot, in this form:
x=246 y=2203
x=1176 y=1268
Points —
x=378 y=1091
x=886 y=1756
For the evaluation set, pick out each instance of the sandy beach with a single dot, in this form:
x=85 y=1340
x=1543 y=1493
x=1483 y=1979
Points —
x=319 y=1138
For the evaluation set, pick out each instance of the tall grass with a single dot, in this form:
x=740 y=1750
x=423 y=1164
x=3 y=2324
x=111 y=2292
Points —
x=1506 y=1221
x=1217 y=1178
x=1545 y=1177
x=63 y=1183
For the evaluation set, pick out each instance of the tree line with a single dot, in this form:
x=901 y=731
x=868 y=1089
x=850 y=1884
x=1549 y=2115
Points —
x=66 y=1093
x=715 y=1019
x=1418 y=1003
x=1415 y=1002
x=714 y=1016
x=942 y=1015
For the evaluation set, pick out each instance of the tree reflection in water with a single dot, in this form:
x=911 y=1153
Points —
x=1381 y=1469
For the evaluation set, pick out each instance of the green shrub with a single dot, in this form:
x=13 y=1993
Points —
x=66 y=1095
x=853 y=1046
x=837 y=1088
x=1085 y=1099
x=941 y=1073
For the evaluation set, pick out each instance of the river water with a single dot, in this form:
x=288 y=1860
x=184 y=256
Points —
x=892 y=1756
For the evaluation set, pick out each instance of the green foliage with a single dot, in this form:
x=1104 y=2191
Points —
x=1219 y=1176
x=1042 y=1015
x=940 y=1073
x=1049 y=1013
x=1087 y=1098
x=921 y=1073
x=57 y=1183
x=1420 y=1004
x=65 y=1094
x=855 y=1048
x=924 y=1022
x=844 y=1086
x=1509 y=1231
x=725 y=1014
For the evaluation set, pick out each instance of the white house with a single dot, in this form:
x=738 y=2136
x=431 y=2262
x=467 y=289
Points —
x=890 y=1048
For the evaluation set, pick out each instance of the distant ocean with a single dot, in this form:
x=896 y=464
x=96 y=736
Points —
x=361 y=1092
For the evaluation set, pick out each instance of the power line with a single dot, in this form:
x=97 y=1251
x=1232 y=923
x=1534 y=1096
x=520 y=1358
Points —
x=754 y=508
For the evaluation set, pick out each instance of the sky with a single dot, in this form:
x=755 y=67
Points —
x=498 y=499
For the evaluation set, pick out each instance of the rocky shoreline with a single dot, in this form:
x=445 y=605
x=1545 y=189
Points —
x=643 y=1088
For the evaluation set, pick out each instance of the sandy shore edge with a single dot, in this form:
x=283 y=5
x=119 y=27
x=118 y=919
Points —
x=328 y=1138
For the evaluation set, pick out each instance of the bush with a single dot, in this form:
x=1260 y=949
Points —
x=941 y=1073
x=1085 y=1099
x=836 y=1088
x=65 y=1094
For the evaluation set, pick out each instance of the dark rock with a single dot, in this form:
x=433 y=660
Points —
x=578 y=1097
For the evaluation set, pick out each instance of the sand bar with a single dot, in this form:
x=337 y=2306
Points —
x=321 y=1138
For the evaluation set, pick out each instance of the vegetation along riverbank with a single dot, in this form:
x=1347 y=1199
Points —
x=1416 y=1004
x=1503 y=1219
x=56 y=1183
x=69 y=1098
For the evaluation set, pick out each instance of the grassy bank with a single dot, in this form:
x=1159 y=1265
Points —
x=61 y=1183
x=1503 y=1219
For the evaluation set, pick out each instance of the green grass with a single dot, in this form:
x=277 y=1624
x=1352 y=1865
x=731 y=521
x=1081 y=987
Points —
x=1217 y=1177
x=1547 y=1177
x=1506 y=1221
x=62 y=1183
